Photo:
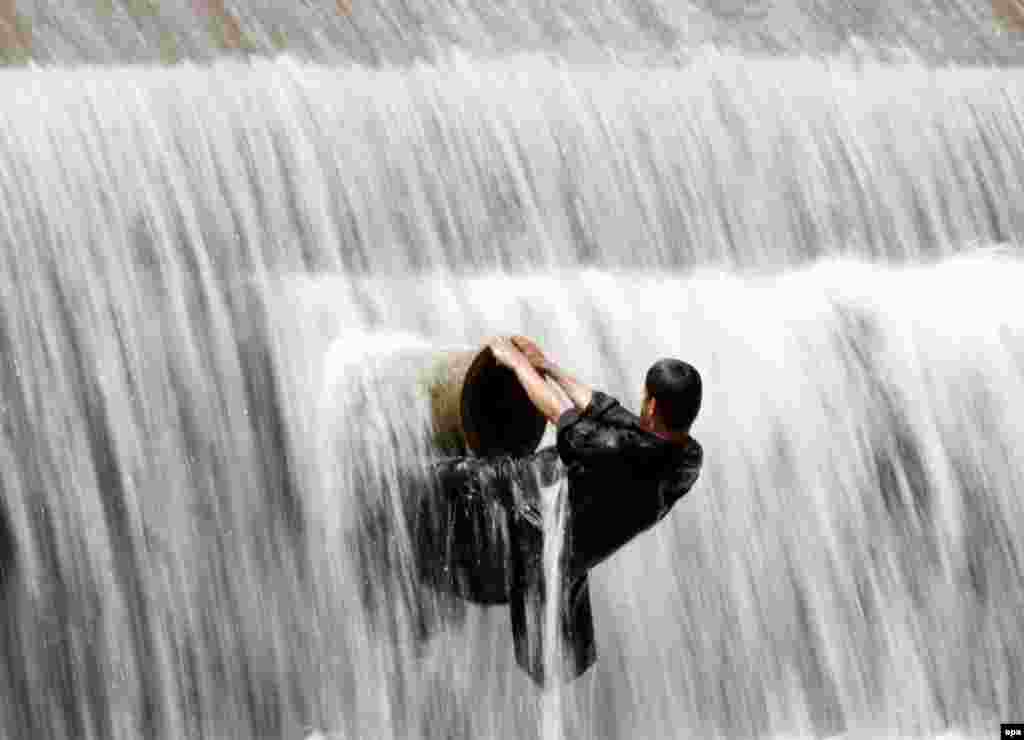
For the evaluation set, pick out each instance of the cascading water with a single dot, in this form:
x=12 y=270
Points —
x=218 y=284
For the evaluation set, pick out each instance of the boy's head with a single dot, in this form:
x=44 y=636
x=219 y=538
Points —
x=672 y=396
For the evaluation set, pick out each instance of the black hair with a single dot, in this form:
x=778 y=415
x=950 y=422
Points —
x=677 y=387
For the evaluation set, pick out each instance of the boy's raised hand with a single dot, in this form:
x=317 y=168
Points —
x=505 y=352
x=532 y=352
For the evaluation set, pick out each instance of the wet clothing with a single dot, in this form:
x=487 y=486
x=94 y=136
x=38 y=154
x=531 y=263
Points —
x=488 y=532
x=622 y=478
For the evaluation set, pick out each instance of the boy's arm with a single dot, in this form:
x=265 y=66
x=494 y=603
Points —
x=542 y=395
x=579 y=393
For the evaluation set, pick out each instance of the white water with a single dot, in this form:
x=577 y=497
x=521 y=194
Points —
x=208 y=274
x=522 y=163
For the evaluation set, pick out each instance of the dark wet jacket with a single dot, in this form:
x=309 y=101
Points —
x=490 y=535
x=622 y=478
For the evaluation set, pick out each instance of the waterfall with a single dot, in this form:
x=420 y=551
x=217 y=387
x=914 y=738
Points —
x=525 y=163
x=214 y=278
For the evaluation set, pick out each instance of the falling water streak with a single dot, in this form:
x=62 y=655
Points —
x=554 y=507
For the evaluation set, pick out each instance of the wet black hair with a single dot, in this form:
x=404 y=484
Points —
x=677 y=387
